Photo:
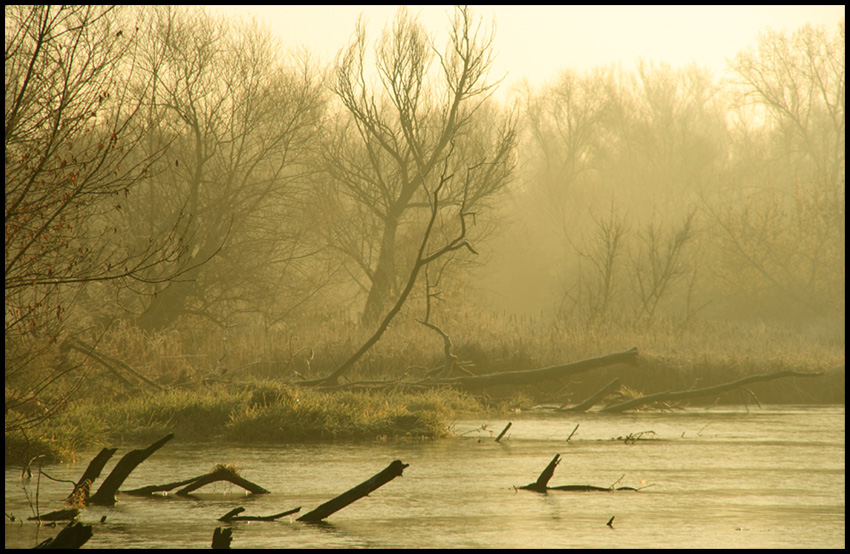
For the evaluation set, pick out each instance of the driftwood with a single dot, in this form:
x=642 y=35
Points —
x=220 y=473
x=669 y=396
x=392 y=471
x=107 y=491
x=232 y=515
x=74 y=535
x=221 y=538
x=541 y=485
x=587 y=404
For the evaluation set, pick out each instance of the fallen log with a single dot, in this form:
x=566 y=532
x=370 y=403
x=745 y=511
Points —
x=542 y=483
x=392 y=471
x=73 y=535
x=534 y=375
x=232 y=515
x=107 y=491
x=219 y=473
x=110 y=363
x=590 y=402
x=669 y=396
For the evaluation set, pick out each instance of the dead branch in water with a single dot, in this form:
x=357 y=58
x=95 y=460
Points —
x=542 y=483
x=220 y=473
x=363 y=489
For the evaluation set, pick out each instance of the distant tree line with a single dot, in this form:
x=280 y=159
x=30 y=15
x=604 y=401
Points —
x=171 y=168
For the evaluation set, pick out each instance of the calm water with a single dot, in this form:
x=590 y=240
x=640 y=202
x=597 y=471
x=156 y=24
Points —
x=721 y=478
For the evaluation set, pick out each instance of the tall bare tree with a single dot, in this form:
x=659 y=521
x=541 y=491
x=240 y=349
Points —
x=381 y=157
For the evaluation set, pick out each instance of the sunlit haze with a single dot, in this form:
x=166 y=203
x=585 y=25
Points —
x=537 y=42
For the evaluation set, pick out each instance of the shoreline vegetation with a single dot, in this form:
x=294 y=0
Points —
x=243 y=387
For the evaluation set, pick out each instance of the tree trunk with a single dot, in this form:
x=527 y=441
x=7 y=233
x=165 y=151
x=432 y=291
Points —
x=383 y=279
x=534 y=375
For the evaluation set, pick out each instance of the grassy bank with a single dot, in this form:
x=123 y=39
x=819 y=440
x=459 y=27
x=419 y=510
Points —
x=254 y=412
x=254 y=403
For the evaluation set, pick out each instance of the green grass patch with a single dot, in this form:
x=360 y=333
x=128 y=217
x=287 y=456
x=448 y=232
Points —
x=259 y=412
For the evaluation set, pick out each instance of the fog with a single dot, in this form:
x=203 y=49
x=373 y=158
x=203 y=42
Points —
x=302 y=176
x=264 y=226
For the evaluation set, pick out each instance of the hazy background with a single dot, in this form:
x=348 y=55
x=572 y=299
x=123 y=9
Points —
x=535 y=42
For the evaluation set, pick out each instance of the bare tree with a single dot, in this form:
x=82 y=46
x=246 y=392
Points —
x=72 y=156
x=383 y=156
x=781 y=216
x=238 y=116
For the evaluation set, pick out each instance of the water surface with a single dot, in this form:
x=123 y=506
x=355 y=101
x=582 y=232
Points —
x=717 y=478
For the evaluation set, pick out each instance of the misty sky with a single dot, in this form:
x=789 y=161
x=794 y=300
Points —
x=538 y=41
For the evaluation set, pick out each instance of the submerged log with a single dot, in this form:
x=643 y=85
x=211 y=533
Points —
x=73 y=535
x=232 y=515
x=542 y=483
x=534 y=375
x=392 y=471
x=669 y=396
x=107 y=491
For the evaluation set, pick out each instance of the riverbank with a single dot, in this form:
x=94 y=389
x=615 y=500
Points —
x=255 y=412
x=231 y=385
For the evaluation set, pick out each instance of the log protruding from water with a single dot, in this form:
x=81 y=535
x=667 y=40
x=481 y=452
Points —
x=543 y=480
x=221 y=538
x=91 y=474
x=107 y=491
x=378 y=480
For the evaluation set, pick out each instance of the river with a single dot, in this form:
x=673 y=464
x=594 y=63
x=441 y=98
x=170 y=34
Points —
x=725 y=477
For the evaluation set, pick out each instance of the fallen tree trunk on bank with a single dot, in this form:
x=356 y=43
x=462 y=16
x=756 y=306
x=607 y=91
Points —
x=107 y=491
x=669 y=396
x=392 y=471
x=530 y=376
x=587 y=404
x=542 y=483
x=219 y=473
x=476 y=382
